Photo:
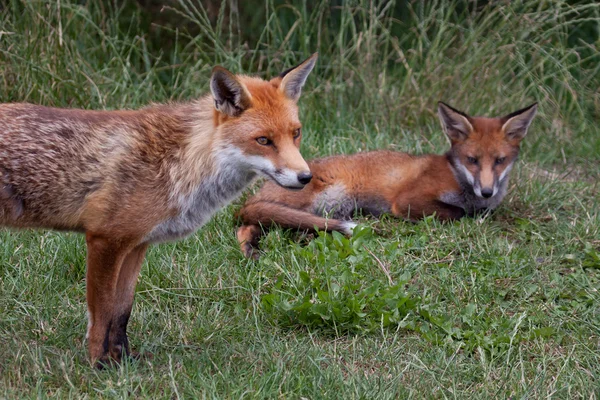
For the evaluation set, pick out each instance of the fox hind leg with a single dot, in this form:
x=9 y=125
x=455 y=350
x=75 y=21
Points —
x=11 y=205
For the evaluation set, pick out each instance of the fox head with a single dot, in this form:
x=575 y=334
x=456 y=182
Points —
x=484 y=149
x=258 y=121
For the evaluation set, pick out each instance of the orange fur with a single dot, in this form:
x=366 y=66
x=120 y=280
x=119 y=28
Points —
x=401 y=184
x=131 y=178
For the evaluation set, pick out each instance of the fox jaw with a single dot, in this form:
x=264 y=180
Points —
x=484 y=149
x=259 y=124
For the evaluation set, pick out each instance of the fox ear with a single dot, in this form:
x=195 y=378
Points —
x=294 y=78
x=516 y=124
x=455 y=123
x=231 y=96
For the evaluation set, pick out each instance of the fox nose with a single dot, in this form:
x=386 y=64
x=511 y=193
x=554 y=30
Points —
x=304 y=177
x=487 y=193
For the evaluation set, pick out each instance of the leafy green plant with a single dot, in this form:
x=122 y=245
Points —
x=342 y=293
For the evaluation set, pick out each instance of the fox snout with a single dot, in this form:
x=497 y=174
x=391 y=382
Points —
x=290 y=170
x=305 y=177
x=487 y=192
x=486 y=184
x=290 y=179
x=485 y=188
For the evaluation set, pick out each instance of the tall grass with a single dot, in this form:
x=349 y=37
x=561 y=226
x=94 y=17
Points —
x=511 y=298
x=383 y=65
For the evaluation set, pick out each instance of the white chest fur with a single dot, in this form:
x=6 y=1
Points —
x=471 y=203
x=214 y=192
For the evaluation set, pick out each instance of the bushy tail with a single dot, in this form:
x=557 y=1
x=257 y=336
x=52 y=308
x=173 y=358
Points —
x=268 y=213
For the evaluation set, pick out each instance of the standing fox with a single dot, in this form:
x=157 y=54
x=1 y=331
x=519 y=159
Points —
x=471 y=176
x=131 y=178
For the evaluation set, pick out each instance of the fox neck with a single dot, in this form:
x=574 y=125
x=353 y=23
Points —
x=466 y=198
x=208 y=175
x=205 y=154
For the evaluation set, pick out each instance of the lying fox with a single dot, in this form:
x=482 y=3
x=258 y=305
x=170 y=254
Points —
x=471 y=176
x=128 y=179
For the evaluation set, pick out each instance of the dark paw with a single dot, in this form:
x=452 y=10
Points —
x=136 y=356
x=250 y=251
x=106 y=362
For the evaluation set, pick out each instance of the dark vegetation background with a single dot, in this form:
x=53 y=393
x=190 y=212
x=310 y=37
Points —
x=503 y=306
x=393 y=60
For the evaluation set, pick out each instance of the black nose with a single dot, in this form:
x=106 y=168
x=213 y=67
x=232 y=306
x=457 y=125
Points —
x=487 y=193
x=304 y=177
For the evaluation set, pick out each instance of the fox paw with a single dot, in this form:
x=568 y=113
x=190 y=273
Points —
x=250 y=251
x=348 y=227
x=107 y=361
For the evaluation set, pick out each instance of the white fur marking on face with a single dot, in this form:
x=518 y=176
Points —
x=477 y=191
x=285 y=177
x=467 y=174
x=505 y=172
x=503 y=175
x=288 y=178
x=259 y=164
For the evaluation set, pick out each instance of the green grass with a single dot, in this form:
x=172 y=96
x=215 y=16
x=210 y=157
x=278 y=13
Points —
x=501 y=306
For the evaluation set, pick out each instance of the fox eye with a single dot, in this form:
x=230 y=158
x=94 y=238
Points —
x=264 y=141
x=472 y=160
x=297 y=133
x=500 y=160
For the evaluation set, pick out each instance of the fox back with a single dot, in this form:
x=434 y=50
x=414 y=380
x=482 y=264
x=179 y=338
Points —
x=92 y=170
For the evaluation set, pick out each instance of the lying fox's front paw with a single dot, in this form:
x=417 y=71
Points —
x=348 y=228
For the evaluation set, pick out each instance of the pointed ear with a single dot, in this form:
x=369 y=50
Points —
x=516 y=124
x=294 y=78
x=455 y=123
x=231 y=96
